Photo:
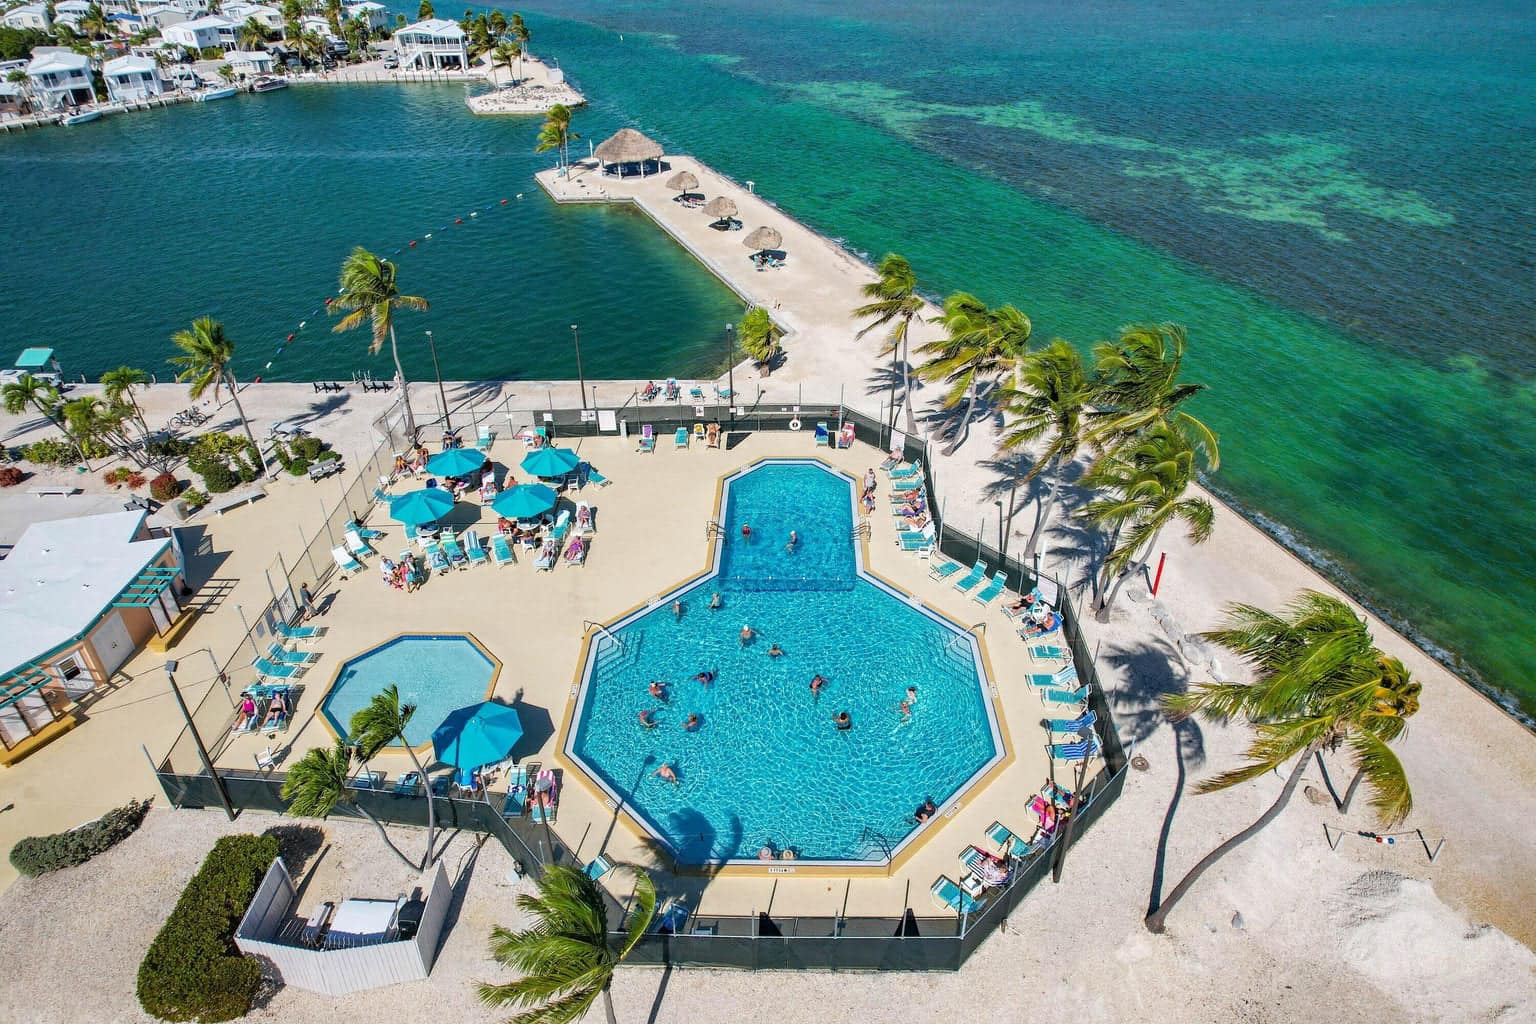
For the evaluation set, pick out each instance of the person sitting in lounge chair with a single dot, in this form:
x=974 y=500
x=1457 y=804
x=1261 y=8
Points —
x=576 y=551
x=1045 y=624
x=504 y=526
x=277 y=712
x=247 y=713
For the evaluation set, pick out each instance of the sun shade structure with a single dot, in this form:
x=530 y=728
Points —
x=547 y=462
x=477 y=735
x=683 y=181
x=720 y=208
x=456 y=461
x=424 y=506
x=525 y=501
x=627 y=146
x=763 y=238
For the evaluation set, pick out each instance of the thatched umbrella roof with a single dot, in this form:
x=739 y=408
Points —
x=763 y=238
x=682 y=181
x=720 y=208
x=627 y=146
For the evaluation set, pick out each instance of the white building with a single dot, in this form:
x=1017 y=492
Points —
x=132 y=78
x=250 y=63
x=318 y=25
x=29 y=16
x=59 y=78
x=375 y=16
x=69 y=12
x=191 y=8
x=164 y=16
x=432 y=45
x=202 y=33
x=269 y=18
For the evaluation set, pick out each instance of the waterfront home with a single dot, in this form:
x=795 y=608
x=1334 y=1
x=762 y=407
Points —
x=77 y=598
x=432 y=45
x=318 y=25
x=132 y=78
x=69 y=12
x=203 y=33
x=375 y=16
x=33 y=16
x=12 y=97
x=59 y=78
x=251 y=63
x=163 y=16
x=267 y=17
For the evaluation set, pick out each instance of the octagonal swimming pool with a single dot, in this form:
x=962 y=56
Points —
x=437 y=672
x=767 y=766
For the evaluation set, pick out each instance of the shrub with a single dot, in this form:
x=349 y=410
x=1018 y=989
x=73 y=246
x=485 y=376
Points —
x=298 y=467
x=10 y=476
x=211 y=53
x=168 y=448
x=308 y=448
x=134 y=481
x=38 y=855
x=192 y=970
x=218 y=478
x=244 y=470
x=95 y=449
x=328 y=455
x=118 y=476
x=194 y=498
x=50 y=451
x=164 y=487
x=281 y=451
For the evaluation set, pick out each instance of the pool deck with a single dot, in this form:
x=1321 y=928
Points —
x=532 y=622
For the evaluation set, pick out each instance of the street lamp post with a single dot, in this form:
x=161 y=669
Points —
x=202 y=751
x=441 y=394
x=580 y=377
x=730 y=368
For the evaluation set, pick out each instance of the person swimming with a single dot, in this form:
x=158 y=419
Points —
x=817 y=683
x=715 y=602
x=794 y=538
x=842 y=721
x=905 y=709
x=775 y=651
x=911 y=696
x=692 y=723
x=658 y=689
x=706 y=677
x=746 y=532
x=746 y=635
x=677 y=609
x=648 y=718
x=667 y=773
x=926 y=811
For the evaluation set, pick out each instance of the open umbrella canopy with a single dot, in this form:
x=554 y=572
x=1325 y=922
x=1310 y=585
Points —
x=424 y=506
x=456 y=461
x=477 y=735
x=683 y=181
x=525 y=501
x=627 y=146
x=550 y=461
x=720 y=208
x=763 y=238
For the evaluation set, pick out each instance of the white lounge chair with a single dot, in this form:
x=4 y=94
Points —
x=345 y=562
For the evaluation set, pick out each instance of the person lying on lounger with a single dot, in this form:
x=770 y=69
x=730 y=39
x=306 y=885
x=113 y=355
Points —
x=1044 y=625
x=277 y=712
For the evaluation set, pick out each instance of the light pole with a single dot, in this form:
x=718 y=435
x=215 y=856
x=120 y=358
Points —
x=730 y=368
x=202 y=751
x=580 y=377
x=441 y=394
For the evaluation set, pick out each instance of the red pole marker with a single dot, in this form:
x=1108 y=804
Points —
x=1159 y=577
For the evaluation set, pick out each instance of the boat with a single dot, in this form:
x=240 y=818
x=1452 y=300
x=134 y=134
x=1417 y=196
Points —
x=79 y=117
x=224 y=92
x=266 y=84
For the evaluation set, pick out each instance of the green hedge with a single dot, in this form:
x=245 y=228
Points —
x=38 y=855
x=193 y=970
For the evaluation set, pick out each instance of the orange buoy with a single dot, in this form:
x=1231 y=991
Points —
x=413 y=243
x=290 y=337
x=458 y=220
x=503 y=202
x=257 y=380
x=327 y=302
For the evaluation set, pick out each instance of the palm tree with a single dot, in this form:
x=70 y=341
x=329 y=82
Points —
x=1139 y=386
x=381 y=723
x=565 y=960
x=368 y=290
x=555 y=132
x=895 y=302
x=498 y=23
x=89 y=420
x=979 y=344
x=119 y=387
x=760 y=338
x=207 y=353
x=28 y=391
x=19 y=77
x=1319 y=683
x=1146 y=482
x=520 y=33
x=333 y=16
x=425 y=11
x=1051 y=400
x=227 y=72
x=505 y=53
x=94 y=22
x=253 y=34
x=311 y=43
x=318 y=782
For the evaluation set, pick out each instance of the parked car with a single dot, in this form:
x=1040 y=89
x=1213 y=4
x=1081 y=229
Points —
x=391 y=61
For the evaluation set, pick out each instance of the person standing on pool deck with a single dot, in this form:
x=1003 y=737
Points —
x=746 y=634
x=308 y=601
x=844 y=723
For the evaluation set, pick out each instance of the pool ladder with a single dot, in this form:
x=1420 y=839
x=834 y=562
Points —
x=862 y=529
x=602 y=631
x=713 y=529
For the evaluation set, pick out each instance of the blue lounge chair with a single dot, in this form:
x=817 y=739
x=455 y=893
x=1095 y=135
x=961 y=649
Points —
x=906 y=472
x=947 y=893
x=647 y=439
x=989 y=593
x=1066 y=678
x=475 y=549
x=1047 y=652
x=906 y=487
x=823 y=438
x=1065 y=698
x=345 y=562
x=562 y=525
x=288 y=632
x=501 y=551
x=406 y=785
x=365 y=532
x=356 y=545
x=976 y=575
x=916 y=540
x=437 y=561
x=1081 y=750
x=277 y=654
x=697 y=392
x=943 y=570
x=1011 y=844
x=599 y=867
x=588 y=475
x=680 y=438
x=455 y=554
x=366 y=780
x=271 y=671
x=1072 y=726
x=483 y=436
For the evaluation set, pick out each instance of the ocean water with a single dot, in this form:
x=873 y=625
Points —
x=1336 y=198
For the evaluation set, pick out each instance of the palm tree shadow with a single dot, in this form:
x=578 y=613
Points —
x=946 y=424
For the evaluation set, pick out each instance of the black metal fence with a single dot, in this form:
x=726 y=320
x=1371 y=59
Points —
x=910 y=942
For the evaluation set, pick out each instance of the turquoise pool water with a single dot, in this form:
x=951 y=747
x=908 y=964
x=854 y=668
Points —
x=436 y=672
x=767 y=766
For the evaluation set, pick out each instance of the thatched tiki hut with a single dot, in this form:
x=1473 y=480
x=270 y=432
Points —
x=763 y=240
x=629 y=152
x=720 y=210
x=684 y=182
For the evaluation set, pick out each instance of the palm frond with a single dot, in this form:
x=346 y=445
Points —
x=1391 y=796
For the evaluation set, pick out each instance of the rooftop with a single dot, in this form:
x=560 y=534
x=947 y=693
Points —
x=57 y=60
x=436 y=27
x=128 y=65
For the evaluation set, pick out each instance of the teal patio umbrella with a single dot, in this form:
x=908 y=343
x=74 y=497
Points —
x=416 y=508
x=456 y=462
x=477 y=735
x=547 y=462
x=525 y=501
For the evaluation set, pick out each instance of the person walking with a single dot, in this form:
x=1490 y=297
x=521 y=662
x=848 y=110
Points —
x=307 y=601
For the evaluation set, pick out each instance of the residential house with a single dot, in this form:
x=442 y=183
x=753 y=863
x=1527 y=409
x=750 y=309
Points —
x=250 y=63
x=34 y=16
x=13 y=96
x=375 y=16
x=318 y=25
x=132 y=78
x=203 y=33
x=164 y=16
x=270 y=18
x=60 y=78
x=432 y=45
x=77 y=598
x=69 y=12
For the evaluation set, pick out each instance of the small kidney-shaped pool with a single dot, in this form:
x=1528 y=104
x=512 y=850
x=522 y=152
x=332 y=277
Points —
x=437 y=672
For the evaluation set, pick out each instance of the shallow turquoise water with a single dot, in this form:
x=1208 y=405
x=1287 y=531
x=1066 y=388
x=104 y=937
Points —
x=1335 y=197
x=436 y=673
x=766 y=764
